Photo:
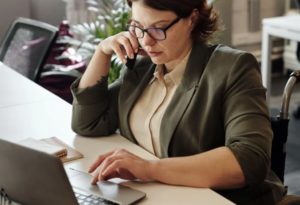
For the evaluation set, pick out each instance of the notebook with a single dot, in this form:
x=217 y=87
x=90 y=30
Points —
x=44 y=146
x=29 y=176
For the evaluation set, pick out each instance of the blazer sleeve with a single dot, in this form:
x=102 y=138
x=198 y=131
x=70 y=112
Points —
x=246 y=116
x=95 y=109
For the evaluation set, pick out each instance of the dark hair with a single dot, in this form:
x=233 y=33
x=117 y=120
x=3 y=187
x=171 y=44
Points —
x=208 y=21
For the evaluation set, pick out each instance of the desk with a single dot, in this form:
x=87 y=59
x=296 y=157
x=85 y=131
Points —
x=27 y=110
x=16 y=89
x=287 y=27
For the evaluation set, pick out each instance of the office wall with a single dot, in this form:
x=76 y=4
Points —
x=239 y=21
x=50 y=11
x=9 y=10
x=225 y=10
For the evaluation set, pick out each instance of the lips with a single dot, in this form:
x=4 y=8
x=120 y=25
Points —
x=153 y=53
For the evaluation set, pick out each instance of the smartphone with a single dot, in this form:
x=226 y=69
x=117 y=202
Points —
x=130 y=61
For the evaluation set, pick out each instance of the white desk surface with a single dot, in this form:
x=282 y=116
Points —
x=289 y=22
x=44 y=115
x=15 y=89
x=286 y=27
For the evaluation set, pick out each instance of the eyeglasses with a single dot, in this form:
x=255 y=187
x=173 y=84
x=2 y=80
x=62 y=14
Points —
x=155 y=33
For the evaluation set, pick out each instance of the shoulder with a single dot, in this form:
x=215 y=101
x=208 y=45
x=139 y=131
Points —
x=232 y=67
x=220 y=57
x=232 y=61
x=231 y=55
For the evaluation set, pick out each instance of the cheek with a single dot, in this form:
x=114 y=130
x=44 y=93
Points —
x=174 y=44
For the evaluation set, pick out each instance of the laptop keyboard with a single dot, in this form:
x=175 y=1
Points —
x=89 y=199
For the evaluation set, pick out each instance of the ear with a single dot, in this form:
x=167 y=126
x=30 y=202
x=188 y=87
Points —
x=194 y=18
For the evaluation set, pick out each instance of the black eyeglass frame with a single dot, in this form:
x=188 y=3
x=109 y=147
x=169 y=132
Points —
x=152 y=28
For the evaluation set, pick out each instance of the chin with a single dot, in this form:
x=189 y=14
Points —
x=158 y=61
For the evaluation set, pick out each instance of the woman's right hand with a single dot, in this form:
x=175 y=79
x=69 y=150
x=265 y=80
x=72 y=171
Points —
x=122 y=44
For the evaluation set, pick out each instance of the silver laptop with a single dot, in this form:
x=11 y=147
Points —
x=30 y=177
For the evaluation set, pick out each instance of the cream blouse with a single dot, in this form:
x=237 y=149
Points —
x=147 y=113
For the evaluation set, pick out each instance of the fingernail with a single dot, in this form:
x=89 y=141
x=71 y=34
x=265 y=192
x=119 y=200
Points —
x=93 y=182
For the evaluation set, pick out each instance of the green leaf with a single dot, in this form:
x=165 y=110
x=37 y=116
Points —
x=108 y=17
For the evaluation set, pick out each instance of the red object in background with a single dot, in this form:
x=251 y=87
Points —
x=61 y=46
x=64 y=29
x=65 y=57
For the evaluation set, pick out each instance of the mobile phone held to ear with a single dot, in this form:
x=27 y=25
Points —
x=130 y=61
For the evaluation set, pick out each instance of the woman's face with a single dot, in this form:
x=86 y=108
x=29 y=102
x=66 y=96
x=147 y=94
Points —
x=178 y=36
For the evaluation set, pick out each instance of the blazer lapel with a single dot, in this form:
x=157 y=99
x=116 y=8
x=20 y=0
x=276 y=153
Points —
x=196 y=64
x=136 y=81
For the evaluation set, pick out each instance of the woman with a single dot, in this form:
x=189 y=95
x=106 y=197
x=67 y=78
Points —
x=200 y=108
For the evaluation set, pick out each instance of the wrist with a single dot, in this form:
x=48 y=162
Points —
x=152 y=170
x=100 y=49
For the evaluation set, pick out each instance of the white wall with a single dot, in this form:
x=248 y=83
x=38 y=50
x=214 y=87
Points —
x=234 y=15
x=9 y=11
x=225 y=10
x=50 y=11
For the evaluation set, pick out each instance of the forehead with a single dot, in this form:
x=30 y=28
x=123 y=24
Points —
x=146 y=15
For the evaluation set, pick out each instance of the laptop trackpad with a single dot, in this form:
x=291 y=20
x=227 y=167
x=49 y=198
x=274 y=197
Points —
x=106 y=189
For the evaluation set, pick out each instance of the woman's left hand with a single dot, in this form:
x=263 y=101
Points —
x=122 y=164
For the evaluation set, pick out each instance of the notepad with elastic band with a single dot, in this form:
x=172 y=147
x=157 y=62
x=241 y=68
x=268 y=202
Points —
x=44 y=146
x=72 y=154
x=53 y=146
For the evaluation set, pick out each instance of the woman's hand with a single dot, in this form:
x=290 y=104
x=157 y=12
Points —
x=122 y=44
x=217 y=168
x=122 y=164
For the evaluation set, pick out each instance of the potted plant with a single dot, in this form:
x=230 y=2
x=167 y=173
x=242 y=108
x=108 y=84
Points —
x=107 y=17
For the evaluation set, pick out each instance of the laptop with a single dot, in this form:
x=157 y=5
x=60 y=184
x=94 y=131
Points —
x=31 y=177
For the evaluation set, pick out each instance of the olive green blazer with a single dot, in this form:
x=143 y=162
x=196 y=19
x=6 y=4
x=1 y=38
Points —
x=220 y=102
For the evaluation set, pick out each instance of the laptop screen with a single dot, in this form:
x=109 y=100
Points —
x=34 y=178
x=31 y=177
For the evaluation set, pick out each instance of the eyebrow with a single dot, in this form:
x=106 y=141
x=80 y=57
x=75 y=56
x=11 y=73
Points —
x=156 y=22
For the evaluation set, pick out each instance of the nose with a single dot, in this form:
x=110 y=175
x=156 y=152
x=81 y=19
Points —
x=147 y=40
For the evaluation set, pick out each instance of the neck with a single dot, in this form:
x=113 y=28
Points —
x=172 y=64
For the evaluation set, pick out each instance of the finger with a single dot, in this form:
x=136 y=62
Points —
x=112 y=167
x=100 y=159
x=133 y=40
x=95 y=179
x=118 y=51
x=110 y=176
x=126 y=44
x=109 y=160
x=100 y=177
